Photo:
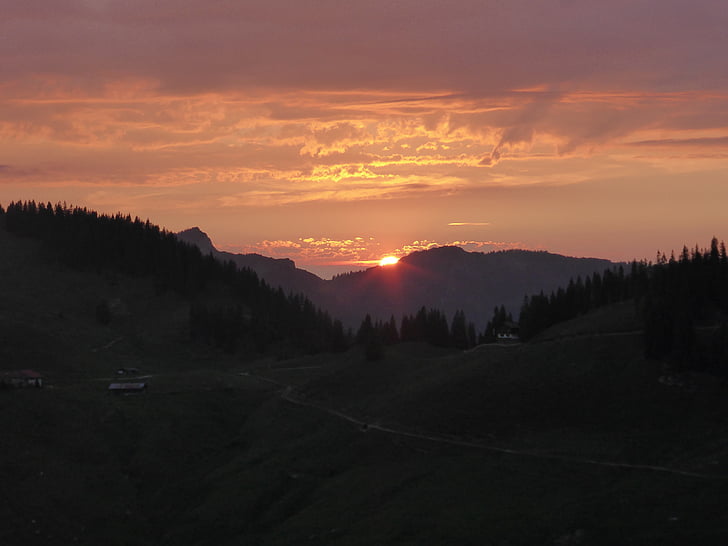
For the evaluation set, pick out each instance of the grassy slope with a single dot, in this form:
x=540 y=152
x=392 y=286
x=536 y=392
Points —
x=213 y=457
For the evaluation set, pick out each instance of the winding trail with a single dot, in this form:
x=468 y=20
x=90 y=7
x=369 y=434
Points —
x=287 y=395
x=109 y=345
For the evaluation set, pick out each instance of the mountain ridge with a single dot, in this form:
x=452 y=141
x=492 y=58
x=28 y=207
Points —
x=275 y=271
x=448 y=278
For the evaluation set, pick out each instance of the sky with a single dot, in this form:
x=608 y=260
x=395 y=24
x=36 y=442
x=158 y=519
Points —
x=335 y=132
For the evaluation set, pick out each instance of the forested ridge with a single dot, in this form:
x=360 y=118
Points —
x=682 y=300
x=256 y=316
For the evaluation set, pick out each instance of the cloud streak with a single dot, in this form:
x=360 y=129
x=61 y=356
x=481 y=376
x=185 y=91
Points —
x=158 y=139
x=358 y=251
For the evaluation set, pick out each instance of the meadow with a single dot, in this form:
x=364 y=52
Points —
x=572 y=438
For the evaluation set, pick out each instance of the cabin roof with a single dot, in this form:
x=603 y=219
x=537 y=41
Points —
x=509 y=325
x=127 y=386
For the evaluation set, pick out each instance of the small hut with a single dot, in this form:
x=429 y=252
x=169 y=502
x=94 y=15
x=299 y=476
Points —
x=128 y=388
x=509 y=332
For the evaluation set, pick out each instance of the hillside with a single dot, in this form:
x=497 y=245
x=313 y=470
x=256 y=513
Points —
x=227 y=307
x=452 y=279
x=48 y=316
x=445 y=278
x=571 y=439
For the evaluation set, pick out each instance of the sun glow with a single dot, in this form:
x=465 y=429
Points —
x=388 y=260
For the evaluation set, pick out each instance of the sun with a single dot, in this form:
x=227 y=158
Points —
x=388 y=260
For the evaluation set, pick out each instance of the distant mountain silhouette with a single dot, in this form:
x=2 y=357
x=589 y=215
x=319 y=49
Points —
x=450 y=279
x=275 y=271
x=447 y=278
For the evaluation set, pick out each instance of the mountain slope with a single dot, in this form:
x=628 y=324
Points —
x=451 y=279
x=275 y=271
x=445 y=278
x=227 y=307
x=572 y=440
x=543 y=443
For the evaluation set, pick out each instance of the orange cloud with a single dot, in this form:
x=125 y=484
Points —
x=357 y=251
x=283 y=147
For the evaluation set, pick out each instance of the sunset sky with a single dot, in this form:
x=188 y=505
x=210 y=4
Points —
x=335 y=132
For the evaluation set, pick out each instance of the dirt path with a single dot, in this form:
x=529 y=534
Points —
x=588 y=334
x=287 y=394
x=109 y=345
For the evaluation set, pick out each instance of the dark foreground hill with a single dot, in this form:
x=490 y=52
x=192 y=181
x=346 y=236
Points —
x=447 y=278
x=572 y=439
x=228 y=307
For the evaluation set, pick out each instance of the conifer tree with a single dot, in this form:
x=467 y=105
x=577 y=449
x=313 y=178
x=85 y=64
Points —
x=459 y=331
x=365 y=331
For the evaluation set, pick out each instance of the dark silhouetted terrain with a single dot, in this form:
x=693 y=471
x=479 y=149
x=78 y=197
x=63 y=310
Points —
x=275 y=271
x=446 y=278
x=451 y=279
x=573 y=438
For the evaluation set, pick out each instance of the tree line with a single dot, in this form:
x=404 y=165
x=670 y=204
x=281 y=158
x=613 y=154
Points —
x=682 y=300
x=257 y=316
x=540 y=311
x=429 y=326
x=686 y=309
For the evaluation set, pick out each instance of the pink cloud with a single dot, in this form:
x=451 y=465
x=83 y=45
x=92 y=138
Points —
x=358 y=251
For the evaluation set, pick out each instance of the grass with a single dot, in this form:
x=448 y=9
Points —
x=210 y=456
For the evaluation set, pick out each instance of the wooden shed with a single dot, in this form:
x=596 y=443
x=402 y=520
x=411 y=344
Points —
x=128 y=388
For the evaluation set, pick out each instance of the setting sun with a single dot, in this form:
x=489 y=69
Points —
x=388 y=260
